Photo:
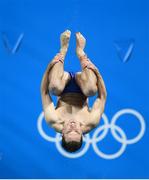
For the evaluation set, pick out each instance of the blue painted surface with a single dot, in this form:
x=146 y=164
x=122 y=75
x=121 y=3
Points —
x=23 y=151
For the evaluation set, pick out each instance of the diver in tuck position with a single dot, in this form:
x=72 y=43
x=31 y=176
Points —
x=72 y=116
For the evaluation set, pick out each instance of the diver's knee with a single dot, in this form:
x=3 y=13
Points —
x=90 y=91
x=55 y=89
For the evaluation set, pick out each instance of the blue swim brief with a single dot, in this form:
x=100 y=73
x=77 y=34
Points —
x=72 y=86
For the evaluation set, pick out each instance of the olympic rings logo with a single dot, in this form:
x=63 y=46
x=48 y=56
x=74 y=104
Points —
x=114 y=129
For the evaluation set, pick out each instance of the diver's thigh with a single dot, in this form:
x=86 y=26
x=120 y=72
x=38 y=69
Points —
x=57 y=85
x=87 y=81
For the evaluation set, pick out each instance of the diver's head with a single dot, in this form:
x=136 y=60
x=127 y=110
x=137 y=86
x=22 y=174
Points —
x=72 y=136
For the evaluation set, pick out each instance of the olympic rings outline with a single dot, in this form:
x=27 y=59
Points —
x=105 y=128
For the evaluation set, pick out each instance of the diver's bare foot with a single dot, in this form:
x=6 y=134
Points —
x=81 y=41
x=64 y=38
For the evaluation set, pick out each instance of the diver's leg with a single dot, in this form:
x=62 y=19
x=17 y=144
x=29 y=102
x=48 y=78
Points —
x=86 y=79
x=58 y=78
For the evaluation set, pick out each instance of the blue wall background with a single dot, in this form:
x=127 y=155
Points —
x=113 y=29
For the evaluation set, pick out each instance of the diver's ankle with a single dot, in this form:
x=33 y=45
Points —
x=80 y=52
x=63 y=51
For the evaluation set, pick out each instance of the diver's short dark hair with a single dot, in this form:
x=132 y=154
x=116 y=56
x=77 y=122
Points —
x=71 y=146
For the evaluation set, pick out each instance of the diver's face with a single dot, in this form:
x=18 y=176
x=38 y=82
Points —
x=72 y=131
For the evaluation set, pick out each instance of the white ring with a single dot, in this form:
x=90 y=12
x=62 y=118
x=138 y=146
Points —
x=139 y=117
x=40 y=129
x=109 y=156
x=72 y=155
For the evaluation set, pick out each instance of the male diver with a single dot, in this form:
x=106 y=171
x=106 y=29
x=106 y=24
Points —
x=72 y=116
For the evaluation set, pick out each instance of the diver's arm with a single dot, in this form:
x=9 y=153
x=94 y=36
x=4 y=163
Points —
x=95 y=113
x=50 y=113
x=99 y=104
